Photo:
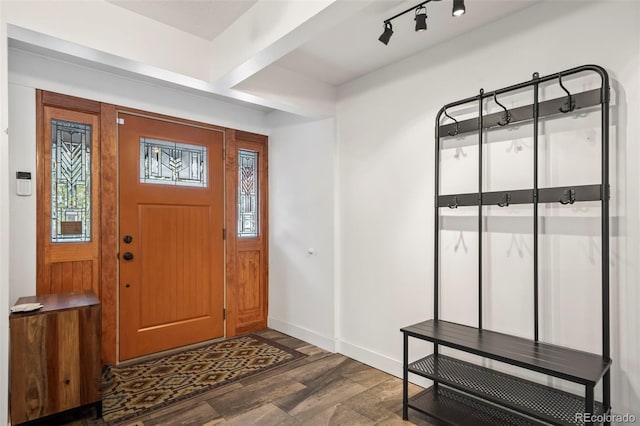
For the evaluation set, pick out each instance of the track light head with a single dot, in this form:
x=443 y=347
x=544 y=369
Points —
x=458 y=8
x=386 y=35
x=421 y=18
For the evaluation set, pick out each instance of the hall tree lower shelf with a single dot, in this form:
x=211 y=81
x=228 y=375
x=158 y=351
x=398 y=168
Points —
x=543 y=404
x=465 y=393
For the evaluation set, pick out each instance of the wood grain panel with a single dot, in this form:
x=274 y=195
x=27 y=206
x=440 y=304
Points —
x=56 y=278
x=70 y=102
x=89 y=345
x=41 y=225
x=67 y=379
x=249 y=289
x=182 y=256
x=28 y=390
x=251 y=137
x=231 y=261
x=77 y=276
x=67 y=277
x=55 y=356
x=109 y=231
x=87 y=274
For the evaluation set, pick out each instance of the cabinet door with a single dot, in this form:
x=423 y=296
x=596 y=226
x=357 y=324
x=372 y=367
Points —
x=55 y=363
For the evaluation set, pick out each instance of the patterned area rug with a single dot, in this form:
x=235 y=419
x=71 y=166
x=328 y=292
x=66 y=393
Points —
x=135 y=389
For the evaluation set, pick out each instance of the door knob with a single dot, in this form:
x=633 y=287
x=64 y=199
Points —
x=127 y=239
x=128 y=256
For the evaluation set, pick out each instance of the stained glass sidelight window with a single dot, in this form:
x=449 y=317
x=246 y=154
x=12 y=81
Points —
x=70 y=182
x=171 y=163
x=247 y=193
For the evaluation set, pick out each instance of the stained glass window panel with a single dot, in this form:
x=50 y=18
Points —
x=247 y=194
x=70 y=182
x=172 y=163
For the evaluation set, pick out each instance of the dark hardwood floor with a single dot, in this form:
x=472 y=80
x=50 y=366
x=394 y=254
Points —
x=320 y=389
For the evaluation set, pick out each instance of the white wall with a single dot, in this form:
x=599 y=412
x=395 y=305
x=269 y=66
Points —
x=27 y=72
x=385 y=128
x=301 y=185
x=4 y=227
x=22 y=157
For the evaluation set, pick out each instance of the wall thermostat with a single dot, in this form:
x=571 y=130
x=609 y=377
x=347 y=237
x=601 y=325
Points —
x=23 y=183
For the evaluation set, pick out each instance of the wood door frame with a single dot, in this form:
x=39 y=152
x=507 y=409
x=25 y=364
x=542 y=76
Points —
x=108 y=217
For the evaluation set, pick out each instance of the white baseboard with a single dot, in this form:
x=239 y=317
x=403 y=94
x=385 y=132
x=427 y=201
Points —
x=376 y=360
x=379 y=361
x=365 y=356
x=302 y=333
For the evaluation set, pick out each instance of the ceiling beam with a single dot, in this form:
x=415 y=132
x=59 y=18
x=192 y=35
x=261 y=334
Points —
x=248 y=50
x=53 y=47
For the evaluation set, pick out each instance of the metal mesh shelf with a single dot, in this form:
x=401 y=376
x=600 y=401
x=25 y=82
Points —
x=458 y=409
x=536 y=400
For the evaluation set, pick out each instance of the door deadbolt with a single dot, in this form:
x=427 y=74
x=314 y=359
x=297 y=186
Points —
x=127 y=239
x=128 y=256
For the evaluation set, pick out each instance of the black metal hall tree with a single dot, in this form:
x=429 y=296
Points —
x=465 y=393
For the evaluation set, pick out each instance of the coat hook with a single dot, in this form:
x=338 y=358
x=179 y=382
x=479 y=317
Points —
x=453 y=205
x=506 y=199
x=569 y=197
x=457 y=128
x=506 y=116
x=570 y=105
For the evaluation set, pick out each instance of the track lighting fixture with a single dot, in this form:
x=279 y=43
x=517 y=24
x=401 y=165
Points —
x=388 y=32
x=458 y=8
x=420 y=18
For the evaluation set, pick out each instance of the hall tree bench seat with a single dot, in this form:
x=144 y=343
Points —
x=541 y=402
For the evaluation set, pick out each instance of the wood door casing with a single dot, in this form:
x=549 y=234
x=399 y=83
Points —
x=247 y=258
x=66 y=266
x=172 y=290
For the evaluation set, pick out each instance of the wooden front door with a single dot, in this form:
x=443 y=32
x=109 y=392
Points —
x=171 y=247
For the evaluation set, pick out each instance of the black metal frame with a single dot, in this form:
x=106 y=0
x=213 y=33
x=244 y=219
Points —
x=535 y=196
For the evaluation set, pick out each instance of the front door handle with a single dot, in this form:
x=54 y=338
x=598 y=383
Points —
x=128 y=256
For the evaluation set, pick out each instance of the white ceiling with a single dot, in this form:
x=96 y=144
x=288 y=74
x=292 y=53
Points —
x=351 y=49
x=202 y=18
x=286 y=55
x=346 y=50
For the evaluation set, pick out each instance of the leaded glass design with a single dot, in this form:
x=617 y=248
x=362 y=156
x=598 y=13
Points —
x=70 y=182
x=247 y=193
x=172 y=163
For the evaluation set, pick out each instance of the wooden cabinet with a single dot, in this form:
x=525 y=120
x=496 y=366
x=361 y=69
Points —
x=55 y=355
